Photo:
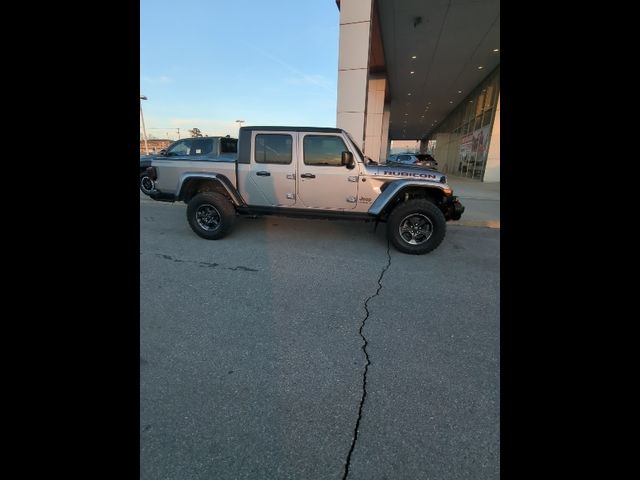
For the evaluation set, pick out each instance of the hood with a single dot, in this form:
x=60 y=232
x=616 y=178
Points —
x=406 y=172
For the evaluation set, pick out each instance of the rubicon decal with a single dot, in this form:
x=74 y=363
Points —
x=409 y=174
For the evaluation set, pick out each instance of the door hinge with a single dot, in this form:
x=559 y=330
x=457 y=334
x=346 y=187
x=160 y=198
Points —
x=291 y=196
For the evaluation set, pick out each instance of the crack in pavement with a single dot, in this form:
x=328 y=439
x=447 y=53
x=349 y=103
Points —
x=204 y=264
x=366 y=366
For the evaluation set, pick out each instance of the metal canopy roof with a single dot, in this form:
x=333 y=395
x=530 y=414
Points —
x=450 y=40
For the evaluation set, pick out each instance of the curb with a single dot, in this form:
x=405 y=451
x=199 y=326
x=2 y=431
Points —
x=493 y=224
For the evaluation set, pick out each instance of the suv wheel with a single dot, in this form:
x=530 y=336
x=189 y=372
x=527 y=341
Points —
x=416 y=227
x=146 y=184
x=210 y=215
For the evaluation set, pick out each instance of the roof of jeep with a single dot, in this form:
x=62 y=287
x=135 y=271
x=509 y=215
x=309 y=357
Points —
x=210 y=136
x=294 y=129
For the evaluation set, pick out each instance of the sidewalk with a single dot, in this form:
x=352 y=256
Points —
x=481 y=201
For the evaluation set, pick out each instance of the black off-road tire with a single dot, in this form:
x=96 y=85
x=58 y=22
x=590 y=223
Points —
x=146 y=184
x=211 y=215
x=423 y=227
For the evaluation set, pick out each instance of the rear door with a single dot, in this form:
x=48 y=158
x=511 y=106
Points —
x=324 y=182
x=272 y=174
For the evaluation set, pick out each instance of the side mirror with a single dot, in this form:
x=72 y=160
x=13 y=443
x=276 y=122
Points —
x=347 y=160
x=163 y=152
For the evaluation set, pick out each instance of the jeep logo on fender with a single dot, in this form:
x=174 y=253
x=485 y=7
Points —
x=407 y=174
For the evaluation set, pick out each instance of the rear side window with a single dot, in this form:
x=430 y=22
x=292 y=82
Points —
x=201 y=146
x=273 y=148
x=228 y=145
x=323 y=150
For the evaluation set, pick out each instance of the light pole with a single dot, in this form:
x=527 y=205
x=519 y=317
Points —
x=144 y=130
x=239 y=122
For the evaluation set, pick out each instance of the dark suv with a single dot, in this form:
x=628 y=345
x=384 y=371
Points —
x=417 y=159
x=189 y=149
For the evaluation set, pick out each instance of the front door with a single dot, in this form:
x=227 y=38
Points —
x=325 y=183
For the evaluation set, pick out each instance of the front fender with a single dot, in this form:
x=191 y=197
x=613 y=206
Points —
x=397 y=186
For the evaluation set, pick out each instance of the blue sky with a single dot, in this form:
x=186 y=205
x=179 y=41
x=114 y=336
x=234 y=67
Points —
x=207 y=63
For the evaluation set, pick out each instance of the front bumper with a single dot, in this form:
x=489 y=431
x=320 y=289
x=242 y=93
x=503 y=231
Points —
x=452 y=209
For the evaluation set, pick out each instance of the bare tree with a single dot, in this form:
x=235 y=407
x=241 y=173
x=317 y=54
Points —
x=195 y=132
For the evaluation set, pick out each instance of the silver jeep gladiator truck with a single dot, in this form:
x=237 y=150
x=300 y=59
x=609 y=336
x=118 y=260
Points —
x=307 y=172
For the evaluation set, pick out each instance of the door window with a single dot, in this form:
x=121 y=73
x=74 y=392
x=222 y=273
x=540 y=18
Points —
x=323 y=150
x=272 y=148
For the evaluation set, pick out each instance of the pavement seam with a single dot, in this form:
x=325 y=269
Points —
x=366 y=367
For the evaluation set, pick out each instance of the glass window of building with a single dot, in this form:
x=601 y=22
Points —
x=489 y=97
x=486 y=119
x=478 y=123
x=480 y=103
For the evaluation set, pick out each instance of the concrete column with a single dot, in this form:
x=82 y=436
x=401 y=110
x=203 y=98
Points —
x=353 y=67
x=441 y=153
x=384 y=138
x=374 y=116
x=492 y=170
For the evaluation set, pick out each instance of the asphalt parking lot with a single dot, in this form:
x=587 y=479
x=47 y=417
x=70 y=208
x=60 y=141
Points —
x=251 y=360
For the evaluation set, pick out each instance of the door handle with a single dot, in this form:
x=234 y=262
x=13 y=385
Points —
x=307 y=175
x=263 y=174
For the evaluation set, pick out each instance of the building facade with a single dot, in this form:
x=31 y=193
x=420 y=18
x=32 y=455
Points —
x=467 y=143
x=427 y=71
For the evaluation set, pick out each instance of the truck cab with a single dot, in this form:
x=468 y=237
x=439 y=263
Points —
x=300 y=169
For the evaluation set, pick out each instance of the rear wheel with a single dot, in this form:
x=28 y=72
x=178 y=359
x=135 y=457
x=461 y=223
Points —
x=416 y=227
x=211 y=215
x=146 y=184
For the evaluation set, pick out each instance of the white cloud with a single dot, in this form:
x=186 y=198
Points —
x=300 y=77
x=306 y=80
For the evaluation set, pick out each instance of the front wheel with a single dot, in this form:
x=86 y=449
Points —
x=211 y=215
x=416 y=227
